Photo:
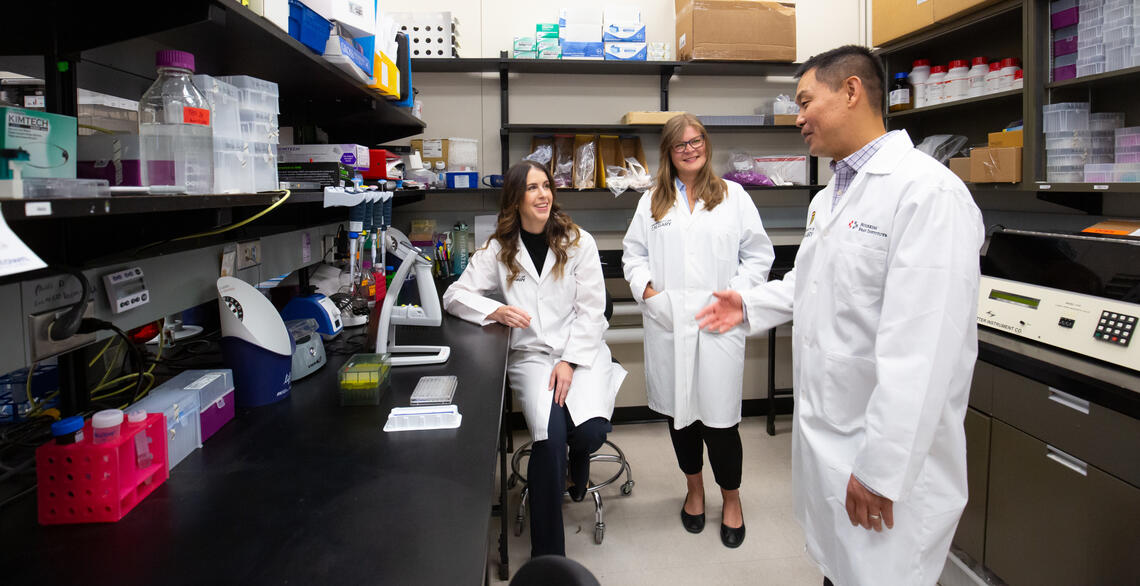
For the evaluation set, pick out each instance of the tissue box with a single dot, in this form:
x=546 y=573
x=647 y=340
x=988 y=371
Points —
x=551 y=53
x=49 y=140
x=523 y=44
x=579 y=50
x=349 y=154
x=578 y=15
x=525 y=55
x=626 y=52
x=545 y=30
x=580 y=33
x=621 y=13
x=623 y=32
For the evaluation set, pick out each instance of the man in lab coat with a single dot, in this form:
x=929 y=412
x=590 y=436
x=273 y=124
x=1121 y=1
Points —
x=883 y=296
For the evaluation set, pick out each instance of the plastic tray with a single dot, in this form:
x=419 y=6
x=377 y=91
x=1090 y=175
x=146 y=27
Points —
x=1118 y=15
x=1065 y=61
x=1066 y=116
x=1119 y=58
x=1090 y=69
x=1100 y=173
x=417 y=418
x=1127 y=158
x=1064 y=45
x=264 y=166
x=1106 y=121
x=1064 y=72
x=1061 y=5
x=1074 y=157
x=52 y=187
x=1117 y=34
x=1079 y=139
x=1090 y=52
x=1072 y=174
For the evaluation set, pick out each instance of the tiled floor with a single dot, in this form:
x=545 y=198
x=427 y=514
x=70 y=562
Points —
x=644 y=542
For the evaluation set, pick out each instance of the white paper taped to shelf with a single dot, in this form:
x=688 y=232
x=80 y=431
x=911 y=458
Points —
x=15 y=256
x=430 y=417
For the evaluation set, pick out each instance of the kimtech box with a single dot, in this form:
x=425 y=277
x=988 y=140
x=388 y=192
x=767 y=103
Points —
x=349 y=154
x=314 y=175
x=49 y=140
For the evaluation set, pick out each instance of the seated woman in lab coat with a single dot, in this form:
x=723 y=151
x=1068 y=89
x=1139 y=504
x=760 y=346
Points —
x=692 y=234
x=549 y=272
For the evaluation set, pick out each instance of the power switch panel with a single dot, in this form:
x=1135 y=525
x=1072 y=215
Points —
x=1066 y=322
x=126 y=289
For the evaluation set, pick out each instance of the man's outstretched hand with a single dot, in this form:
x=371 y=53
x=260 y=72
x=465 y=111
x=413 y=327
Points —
x=723 y=314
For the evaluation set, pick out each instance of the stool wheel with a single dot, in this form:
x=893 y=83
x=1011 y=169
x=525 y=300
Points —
x=627 y=488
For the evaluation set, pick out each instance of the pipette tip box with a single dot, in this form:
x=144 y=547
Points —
x=363 y=378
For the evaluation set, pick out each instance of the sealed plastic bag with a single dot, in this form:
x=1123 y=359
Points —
x=585 y=155
x=541 y=155
x=617 y=179
x=942 y=146
x=742 y=169
x=639 y=178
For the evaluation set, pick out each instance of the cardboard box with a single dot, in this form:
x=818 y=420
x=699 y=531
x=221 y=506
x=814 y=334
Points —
x=631 y=147
x=742 y=30
x=621 y=13
x=579 y=15
x=785 y=119
x=431 y=150
x=1115 y=228
x=577 y=50
x=1006 y=138
x=626 y=51
x=546 y=30
x=891 y=19
x=995 y=165
x=579 y=33
x=950 y=9
x=648 y=117
x=353 y=155
x=49 y=139
x=961 y=167
x=609 y=154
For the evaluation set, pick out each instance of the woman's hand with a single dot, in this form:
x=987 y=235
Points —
x=649 y=292
x=560 y=379
x=511 y=316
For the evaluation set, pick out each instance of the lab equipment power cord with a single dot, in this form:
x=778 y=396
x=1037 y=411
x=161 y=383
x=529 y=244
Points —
x=90 y=325
x=286 y=193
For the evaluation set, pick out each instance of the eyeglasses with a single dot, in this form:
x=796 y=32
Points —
x=696 y=144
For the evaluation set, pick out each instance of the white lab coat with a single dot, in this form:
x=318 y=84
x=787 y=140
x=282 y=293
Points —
x=691 y=374
x=566 y=323
x=884 y=295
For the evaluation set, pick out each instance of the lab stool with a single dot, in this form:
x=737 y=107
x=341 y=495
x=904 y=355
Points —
x=599 y=511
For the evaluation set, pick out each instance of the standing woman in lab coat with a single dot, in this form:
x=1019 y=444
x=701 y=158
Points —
x=549 y=272
x=695 y=233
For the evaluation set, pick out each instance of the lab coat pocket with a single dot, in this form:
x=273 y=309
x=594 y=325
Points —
x=660 y=310
x=847 y=385
x=861 y=273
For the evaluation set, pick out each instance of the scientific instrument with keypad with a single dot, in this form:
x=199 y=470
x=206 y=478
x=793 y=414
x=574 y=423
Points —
x=1078 y=292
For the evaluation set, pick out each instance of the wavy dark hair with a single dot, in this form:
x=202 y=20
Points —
x=561 y=232
x=708 y=187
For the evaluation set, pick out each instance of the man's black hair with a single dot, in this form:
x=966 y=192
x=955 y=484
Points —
x=838 y=64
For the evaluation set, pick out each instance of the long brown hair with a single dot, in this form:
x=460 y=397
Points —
x=561 y=232
x=708 y=187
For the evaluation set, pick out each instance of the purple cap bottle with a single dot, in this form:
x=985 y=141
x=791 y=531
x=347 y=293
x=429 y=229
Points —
x=173 y=58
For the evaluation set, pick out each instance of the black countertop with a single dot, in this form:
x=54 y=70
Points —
x=305 y=492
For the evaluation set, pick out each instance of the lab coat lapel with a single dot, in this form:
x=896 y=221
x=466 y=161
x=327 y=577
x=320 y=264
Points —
x=884 y=161
x=546 y=265
x=523 y=258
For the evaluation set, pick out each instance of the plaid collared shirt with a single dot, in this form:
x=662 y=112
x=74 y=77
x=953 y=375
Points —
x=846 y=169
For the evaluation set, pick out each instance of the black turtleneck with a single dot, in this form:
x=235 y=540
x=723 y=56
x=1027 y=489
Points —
x=536 y=246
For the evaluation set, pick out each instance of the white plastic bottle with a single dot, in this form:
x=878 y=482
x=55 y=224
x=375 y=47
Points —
x=993 y=77
x=175 y=136
x=1018 y=80
x=957 y=81
x=936 y=85
x=918 y=75
x=1009 y=66
x=978 y=77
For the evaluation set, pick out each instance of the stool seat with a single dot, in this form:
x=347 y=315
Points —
x=592 y=489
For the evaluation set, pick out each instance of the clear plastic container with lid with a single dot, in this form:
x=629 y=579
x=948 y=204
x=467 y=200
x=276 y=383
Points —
x=175 y=134
x=1079 y=139
x=1070 y=157
x=920 y=71
x=105 y=425
x=957 y=81
x=1103 y=173
x=1067 y=174
x=936 y=85
x=1128 y=137
x=1065 y=116
x=1128 y=154
x=1106 y=121
x=977 y=77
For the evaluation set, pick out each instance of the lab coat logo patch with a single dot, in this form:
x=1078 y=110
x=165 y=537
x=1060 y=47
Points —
x=520 y=278
x=661 y=224
x=866 y=228
x=812 y=219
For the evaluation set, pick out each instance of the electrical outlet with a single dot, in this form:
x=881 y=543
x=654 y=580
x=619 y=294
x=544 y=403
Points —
x=43 y=346
x=248 y=254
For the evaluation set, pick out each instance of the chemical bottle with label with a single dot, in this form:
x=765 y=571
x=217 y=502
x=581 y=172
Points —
x=175 y=135
x=901 y=97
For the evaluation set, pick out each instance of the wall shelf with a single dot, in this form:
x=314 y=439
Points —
x=1129 y=76
x=1010 y=96
x=633 y=128
x=585 y=66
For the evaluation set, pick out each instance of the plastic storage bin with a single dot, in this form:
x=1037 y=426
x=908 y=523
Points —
x=1079 y=139
x=1127 y=172
x=1063 y=13
x=180 y=407
x=264 y=166
x=87 y=483
x=1100 y=173
x=363 y=379
x=1073 y=157
x=1064 y=45
x=260 y=126
x=462 y=154
x=233 y=168
x=1066 y=116
x=256 y=94
x=307 y=26
x=1067 y=174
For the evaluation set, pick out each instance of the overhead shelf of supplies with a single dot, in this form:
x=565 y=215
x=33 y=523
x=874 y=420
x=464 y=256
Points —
x=595 y=67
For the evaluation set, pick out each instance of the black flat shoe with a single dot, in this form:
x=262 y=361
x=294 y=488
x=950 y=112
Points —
x=578 y=494
x=731 y=538
x=692 y=523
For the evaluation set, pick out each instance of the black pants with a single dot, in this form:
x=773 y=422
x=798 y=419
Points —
x=546 y=475
x=725 y=452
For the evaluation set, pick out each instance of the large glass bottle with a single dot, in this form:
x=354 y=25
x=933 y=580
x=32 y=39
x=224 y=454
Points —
x=175 y=137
